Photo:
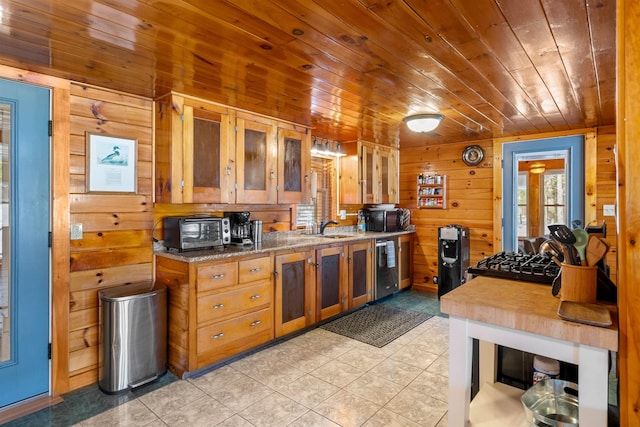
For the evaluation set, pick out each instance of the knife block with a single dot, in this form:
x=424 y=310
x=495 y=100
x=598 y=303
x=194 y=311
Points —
x=579 y=283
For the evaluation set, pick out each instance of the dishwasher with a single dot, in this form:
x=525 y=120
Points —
x=386 y=271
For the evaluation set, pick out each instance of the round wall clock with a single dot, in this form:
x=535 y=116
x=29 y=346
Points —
x=472 y=155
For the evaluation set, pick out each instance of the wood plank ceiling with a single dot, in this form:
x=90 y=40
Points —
x=350 y=69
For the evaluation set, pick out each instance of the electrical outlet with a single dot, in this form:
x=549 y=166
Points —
x=609 y=210
x=343 y=214
x=76 y=231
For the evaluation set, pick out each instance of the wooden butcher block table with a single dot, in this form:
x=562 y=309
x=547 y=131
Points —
x=524 y=316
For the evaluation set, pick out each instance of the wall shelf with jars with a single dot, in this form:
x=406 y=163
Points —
x=432 y=191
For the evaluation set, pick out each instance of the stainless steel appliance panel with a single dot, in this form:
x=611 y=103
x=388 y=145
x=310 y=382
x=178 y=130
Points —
x=386 y=271
x=133 y=338
x=196 y=232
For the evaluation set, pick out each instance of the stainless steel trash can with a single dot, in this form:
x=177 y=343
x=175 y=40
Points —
x=133 y=336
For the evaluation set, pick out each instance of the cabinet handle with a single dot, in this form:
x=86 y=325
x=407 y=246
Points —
x=348 y=260
x=217 y=306
x=215 y=337
x=256 y=296
x=275 y=273
x=218 y=276
x=255 y=323
x=255 y=270
x=228 y=170
x=272 y=175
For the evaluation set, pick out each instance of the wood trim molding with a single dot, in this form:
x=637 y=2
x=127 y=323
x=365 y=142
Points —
x=60 y=248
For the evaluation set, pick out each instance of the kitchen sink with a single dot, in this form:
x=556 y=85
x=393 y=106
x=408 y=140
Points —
x=329 y=236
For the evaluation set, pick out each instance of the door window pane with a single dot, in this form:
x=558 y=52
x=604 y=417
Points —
x=5 y=233
x=523 y=211
x=554 y=198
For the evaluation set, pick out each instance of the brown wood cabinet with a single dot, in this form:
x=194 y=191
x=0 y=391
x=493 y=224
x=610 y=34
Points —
x=360 y=267
x=369 y=174
x=331 y=281
x=294 y=165
x=193 y=139
x=207 y=153
x=256 y=176
x=404 y=262
x=295 y=297
x=216 y=309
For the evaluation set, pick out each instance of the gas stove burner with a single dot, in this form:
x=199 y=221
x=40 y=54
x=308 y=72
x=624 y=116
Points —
x=517 y=266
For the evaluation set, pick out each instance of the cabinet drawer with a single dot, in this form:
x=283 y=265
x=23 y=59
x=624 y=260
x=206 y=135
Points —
x=217 y=276
x=224 y=304
x=254 y=269
x=222 y=333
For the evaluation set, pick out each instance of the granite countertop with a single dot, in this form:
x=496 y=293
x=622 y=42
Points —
x=275 y=241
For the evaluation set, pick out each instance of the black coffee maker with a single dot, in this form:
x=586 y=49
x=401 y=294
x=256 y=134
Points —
x=240 y=228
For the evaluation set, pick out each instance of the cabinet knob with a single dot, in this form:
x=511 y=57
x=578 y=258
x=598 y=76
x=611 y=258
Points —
x=218 y=276
x=272 y=175
x=255 y=270
x=255 y=323
x=254 y=297
x=217 y=306
x=215 y=337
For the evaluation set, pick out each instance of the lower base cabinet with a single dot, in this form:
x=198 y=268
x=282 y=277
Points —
x=405 y=254
x=220 y=308
x=216 y=309
x=331 y=281
x=360 y=267
x=294 y=292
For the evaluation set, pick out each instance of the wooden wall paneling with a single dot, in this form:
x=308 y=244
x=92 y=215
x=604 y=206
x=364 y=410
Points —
x=469 y=202
x=116 y=247
x=474 y=194
x=107 y=277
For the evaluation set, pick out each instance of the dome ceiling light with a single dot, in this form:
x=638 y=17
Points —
x=423 y=122
x=537 y=168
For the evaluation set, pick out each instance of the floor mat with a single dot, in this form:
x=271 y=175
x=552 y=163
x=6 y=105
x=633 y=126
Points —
x=377 y=324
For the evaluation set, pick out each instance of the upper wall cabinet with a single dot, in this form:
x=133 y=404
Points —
x=206 y=153
x=256 y=148
x=369 y=174
x=193 y=139
x=294 y=165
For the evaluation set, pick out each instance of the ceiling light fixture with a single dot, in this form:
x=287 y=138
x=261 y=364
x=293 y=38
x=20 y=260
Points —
x=326 y=148
x=537 y=167
x=423 y=122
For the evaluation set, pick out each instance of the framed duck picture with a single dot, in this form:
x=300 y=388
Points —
x=111 y=164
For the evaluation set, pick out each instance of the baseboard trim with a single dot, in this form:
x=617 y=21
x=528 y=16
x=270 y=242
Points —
x=26 y=407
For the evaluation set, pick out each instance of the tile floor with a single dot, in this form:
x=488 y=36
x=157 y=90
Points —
x=315 y=379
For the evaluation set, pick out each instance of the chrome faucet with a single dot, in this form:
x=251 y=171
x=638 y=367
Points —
x=323 y=225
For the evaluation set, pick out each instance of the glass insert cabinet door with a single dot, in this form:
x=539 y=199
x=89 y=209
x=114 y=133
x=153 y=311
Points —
x=256 y=168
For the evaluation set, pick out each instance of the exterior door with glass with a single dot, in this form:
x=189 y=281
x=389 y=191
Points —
x=24 y=241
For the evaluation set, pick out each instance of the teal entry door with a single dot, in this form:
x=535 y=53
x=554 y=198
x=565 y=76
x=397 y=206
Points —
x=24 y=241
